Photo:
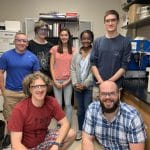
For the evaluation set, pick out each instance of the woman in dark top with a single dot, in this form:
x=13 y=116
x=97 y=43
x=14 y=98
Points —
x=40 y=46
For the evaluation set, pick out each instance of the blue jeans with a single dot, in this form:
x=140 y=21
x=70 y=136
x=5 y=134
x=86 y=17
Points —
x=67 y=92
x=83 y=98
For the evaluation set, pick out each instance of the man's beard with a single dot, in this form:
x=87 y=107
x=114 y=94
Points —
x=109 y=110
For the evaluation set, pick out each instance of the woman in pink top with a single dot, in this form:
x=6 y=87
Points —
x=60 y=63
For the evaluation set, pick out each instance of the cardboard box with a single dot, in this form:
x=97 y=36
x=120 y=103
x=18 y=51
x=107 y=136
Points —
x=144 y=11
x=133 y=13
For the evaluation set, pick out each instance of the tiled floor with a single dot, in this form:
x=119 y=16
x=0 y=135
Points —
x=77 y=144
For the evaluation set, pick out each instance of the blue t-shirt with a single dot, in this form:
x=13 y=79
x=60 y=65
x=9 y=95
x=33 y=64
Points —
x=17 y=66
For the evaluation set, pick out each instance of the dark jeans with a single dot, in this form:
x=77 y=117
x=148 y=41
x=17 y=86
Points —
x=83 y=98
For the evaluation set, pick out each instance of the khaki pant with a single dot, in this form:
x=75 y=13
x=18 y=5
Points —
x=11 y=98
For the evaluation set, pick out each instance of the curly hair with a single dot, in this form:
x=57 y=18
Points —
x=28 y=80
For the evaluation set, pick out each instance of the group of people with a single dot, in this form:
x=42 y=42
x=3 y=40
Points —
x=32 y=67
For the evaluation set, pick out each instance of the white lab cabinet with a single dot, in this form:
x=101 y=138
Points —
x=29 y=27
x=6 y=40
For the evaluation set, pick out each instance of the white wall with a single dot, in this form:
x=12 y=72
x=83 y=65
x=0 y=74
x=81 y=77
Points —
x=89 y=10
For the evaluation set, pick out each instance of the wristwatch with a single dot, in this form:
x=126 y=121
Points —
x=58 y=144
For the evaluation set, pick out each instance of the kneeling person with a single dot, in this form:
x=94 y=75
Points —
x=31 y=117
x=116 y=125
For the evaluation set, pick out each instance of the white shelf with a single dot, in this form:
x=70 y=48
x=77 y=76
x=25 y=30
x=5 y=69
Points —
x=140 y=23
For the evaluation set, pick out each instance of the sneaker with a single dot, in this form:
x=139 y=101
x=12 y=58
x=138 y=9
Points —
x=79 y=135
x=6 y=141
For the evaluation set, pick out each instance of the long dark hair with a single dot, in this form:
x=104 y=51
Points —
x=69 y=44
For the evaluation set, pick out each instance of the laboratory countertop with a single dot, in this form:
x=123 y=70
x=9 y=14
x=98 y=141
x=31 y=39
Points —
x=138 y=88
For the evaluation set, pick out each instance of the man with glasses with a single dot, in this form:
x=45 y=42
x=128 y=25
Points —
x=17 y=63
x=115 y=125
x=111 y=52
x=31 y=117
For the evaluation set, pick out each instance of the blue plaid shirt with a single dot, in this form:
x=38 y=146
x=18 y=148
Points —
x=127 y=127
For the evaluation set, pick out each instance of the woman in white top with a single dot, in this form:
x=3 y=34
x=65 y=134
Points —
x=82 y=78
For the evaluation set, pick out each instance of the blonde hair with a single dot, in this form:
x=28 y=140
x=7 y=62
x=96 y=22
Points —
x=18 y=33
x=40 y=24
x=28 y=80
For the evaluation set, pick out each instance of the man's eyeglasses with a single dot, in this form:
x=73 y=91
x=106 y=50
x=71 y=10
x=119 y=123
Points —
x=21 y=40
x=111 y=20
x=38 y=86
x=110 y=94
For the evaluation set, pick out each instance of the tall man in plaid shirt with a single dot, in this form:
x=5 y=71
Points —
x=116 y=125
